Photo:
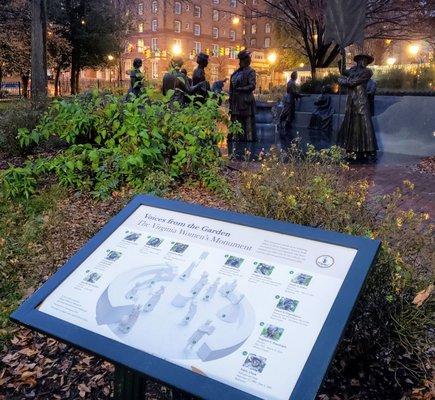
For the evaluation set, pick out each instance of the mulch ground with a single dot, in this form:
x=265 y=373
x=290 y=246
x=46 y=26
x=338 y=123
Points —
x=33 y=366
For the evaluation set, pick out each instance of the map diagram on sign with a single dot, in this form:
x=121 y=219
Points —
x=205 y=317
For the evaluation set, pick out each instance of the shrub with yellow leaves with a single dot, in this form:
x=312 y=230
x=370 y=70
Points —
x=316 y=189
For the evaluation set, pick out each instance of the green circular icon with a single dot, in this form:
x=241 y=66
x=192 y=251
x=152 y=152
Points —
x=291 y=272
x=261 y=323
x=276 y=297
x=245 y=353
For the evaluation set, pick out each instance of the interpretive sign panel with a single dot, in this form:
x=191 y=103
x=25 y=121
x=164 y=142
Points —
x=218 y=304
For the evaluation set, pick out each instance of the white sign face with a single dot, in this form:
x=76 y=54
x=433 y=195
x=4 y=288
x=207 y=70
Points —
x=238 y=304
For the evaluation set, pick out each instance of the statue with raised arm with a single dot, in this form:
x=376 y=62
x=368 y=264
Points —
x=242 y=101
x=356 y=134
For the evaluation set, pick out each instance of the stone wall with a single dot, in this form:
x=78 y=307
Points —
x=403 y=124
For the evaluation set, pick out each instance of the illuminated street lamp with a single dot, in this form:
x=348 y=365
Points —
x=301 y=65
x=272 y=57
x=176 y=49
x=110 y=57
x=391 y=61
x=413 y=49
x=236 y=20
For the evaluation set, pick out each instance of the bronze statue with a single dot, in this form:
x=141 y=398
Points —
x=321 y=118
x=176 y=80
x=136 y=78
x=242 y=101
x=356 y=133
x=371 y=92
x=184 y=71
x=198 y=76
x=289 y=110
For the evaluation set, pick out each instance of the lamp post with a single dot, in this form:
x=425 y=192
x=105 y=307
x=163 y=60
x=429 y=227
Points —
x=413 y=50
x=110 y=58
x=272 y=57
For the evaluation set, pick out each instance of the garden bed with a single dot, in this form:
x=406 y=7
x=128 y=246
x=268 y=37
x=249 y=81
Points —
x=54 y=203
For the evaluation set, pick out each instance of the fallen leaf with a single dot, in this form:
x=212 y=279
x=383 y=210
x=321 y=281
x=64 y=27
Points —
x=422 y=296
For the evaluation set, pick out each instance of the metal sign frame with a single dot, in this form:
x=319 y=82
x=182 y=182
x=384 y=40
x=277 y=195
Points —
x=176 y=376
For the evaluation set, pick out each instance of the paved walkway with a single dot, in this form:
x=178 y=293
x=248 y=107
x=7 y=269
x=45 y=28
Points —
x=390 y=172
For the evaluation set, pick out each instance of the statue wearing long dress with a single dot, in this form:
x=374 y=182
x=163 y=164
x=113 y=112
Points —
x=242 y=101
x=321 y=118
x=288 y=112
x=136 y=78
x=198 y=76
x=356 y=133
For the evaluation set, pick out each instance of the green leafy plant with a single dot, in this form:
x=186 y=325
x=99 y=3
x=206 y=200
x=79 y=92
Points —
x=112 y=142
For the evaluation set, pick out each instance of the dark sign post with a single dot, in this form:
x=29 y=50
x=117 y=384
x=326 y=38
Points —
x=212 y=303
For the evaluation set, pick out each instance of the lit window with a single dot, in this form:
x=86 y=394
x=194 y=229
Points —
x=177 y=26
x=233 y=3
x=267 y=42
x=215 y=33
x=215 y=15
x=215 y=50
x=197 y=47
x=154 y=44
x=177 y=7
x=140 y=8
x=233 y=53
x=253 y=29
x=127 y=65
x=140 y=46
x=197 y=29
x=253 y=42
x=197 y=11
x=140 y=27
x=154 y=25
x=232 y=35
x=154 y=69
x=154 y=7
x=267 y=28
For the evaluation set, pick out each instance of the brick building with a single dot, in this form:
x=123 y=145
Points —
x=221 y=28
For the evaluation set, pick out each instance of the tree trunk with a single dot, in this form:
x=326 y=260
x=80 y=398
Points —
x=1 y=76
x=75 y=68
x=39 y=54
x=25 y=82
x=313 y=71
x=77 y=80
x=73 y=75
x=56 y=81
